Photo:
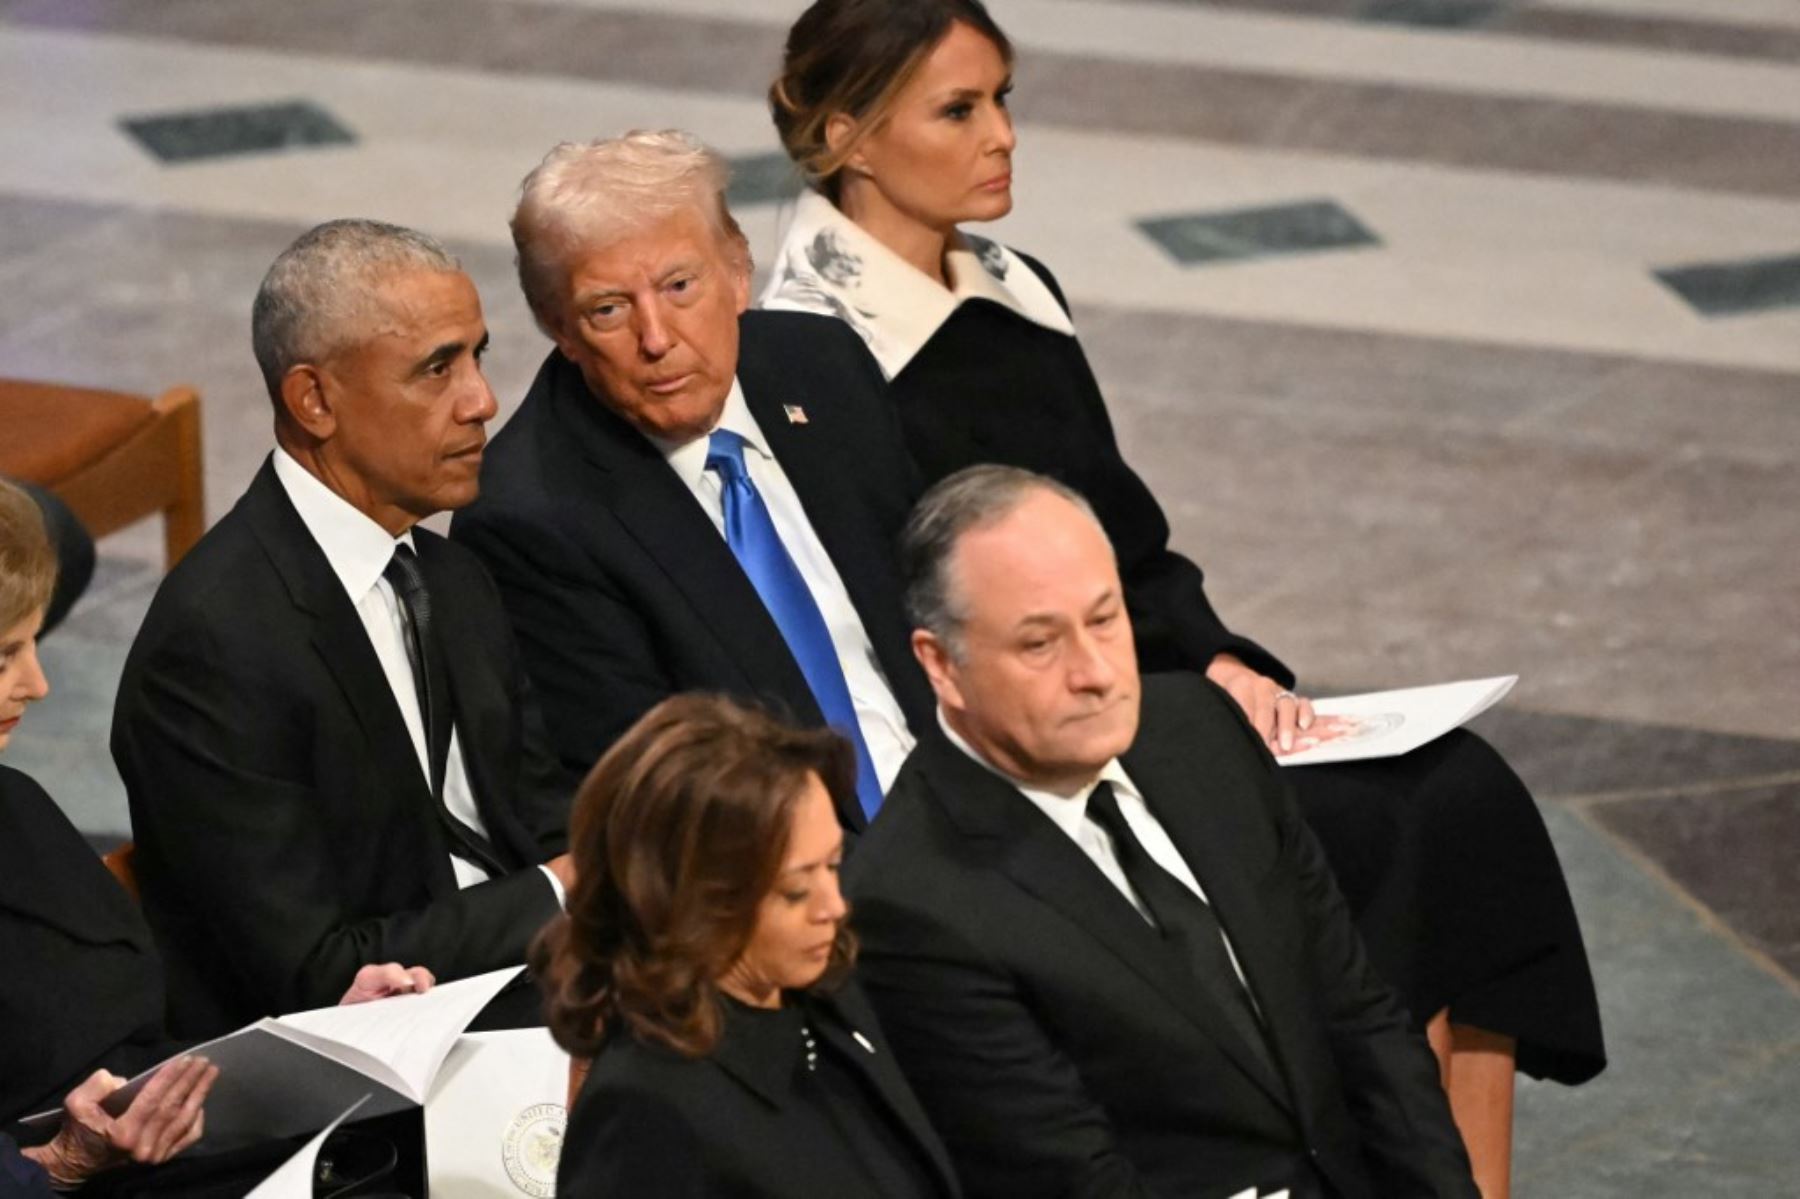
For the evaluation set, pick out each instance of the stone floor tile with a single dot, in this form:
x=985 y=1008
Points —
x=1735 y=851
x=235 y=130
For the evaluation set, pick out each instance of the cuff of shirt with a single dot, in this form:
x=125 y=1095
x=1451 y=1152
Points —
x=562 y=898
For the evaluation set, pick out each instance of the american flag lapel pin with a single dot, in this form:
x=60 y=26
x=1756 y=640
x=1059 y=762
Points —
x=795 y=413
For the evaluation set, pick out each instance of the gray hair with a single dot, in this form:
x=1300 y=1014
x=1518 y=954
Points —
x=590 y=195
x=321 y=293
x=975 y=497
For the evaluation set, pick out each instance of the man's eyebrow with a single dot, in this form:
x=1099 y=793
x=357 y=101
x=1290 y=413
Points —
x=443 y=353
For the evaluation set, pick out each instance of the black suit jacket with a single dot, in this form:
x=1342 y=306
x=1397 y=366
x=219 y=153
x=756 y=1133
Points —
x=1062 y=1052
x=80 y=983
x=286 y=834
x=622 y=592
x=651 y=1122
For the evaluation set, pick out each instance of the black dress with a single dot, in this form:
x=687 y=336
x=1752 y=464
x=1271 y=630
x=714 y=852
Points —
x=81 y=987
x=1441 y=853
x=801 y=1101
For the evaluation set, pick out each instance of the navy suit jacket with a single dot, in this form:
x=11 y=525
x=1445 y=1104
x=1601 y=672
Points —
x=622 y=592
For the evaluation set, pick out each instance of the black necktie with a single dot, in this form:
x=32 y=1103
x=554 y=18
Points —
x=429 y=678
x=1185 y=920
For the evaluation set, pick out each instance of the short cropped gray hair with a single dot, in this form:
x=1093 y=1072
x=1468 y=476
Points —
x=975 y=497
x=320 y=294
x=590 y=195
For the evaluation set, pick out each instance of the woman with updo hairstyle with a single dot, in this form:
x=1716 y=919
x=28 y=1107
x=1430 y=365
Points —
x=896 y=114
x=704 y=964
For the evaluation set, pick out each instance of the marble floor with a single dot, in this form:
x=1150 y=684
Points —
x=1458 y=337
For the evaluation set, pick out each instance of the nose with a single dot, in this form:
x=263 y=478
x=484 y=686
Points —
x=831 y=901
x=654 y=338
x=1090 y=668
x=479 y=406
x=1000 y=131
x=33 y=684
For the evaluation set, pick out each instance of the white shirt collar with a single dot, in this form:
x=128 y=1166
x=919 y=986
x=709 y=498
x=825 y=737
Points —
x=829 y=265
x=689 y=459
x=1067 y=812
x=357 y=548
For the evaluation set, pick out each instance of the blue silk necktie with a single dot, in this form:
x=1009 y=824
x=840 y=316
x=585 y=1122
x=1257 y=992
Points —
x=751 y=534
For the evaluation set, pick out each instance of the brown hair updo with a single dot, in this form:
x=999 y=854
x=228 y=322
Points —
x=853 y=57
x=677 y=835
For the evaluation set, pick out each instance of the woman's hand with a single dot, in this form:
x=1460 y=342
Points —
x=378 y=980
x=1276 y=713
x=165 y=1118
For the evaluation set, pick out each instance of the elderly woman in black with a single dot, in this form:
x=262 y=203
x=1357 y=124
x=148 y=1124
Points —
x=895 y=111
x=704 y=964
x=81 y=987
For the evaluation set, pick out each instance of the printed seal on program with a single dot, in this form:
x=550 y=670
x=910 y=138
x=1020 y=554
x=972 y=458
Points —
x=531 y=1147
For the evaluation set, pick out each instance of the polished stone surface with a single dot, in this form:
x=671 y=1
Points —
x=763 y=179
x=1733 y=288
x=1296 y=228
x=1431 y=14
x=239 y=129
x=1733 y=849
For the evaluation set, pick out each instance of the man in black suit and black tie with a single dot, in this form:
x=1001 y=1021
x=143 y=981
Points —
x=1107 y=950
x=327 y=738
x=692 y=496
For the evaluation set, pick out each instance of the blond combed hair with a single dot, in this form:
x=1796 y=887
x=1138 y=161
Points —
x=586 y=196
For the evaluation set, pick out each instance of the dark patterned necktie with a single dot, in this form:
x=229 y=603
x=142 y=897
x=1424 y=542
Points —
x=1185 y=920
x=429 y=678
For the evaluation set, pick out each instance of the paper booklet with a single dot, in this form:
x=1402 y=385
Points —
x=291 y=1075
x=1385 y=724
x=294 y=1178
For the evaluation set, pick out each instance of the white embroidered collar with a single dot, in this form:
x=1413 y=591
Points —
x=827 y=264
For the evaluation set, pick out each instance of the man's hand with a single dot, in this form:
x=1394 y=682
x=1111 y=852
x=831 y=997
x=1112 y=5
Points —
x=378 y=980
x=1276 y=713
x=563 y=867
x=165 y=1118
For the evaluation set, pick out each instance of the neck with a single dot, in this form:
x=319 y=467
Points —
x=315 y=461
x=750 y=993
x=920 y=246
x=1066 y=784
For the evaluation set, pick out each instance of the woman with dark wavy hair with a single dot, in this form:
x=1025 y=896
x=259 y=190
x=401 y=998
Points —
x=704 y=963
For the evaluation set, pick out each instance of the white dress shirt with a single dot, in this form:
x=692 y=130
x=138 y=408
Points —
x=878 y=713
x=359 y=550
x=1069 y=813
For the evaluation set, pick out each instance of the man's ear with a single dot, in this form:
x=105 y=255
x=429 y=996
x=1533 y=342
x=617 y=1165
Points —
x=307 y=403
x=940 y=668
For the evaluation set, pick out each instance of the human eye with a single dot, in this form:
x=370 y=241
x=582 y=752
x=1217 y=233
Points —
x=1005 y=93
x=958 y=110
x=796 y=896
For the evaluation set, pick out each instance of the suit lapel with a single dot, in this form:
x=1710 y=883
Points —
x=1175 y=777
x=342 y=643
x=649 y=500
x=809 y=451
x=849 y=1024
x=1042 y=859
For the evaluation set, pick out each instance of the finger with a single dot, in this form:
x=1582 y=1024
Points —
x=423 y=980
x=1306 y=713
x=1287 y=711
x=1262 y=718
x=183 y=1121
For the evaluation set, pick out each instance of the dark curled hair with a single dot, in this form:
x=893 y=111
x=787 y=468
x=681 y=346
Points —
x=853 y=57
x=678 y=834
